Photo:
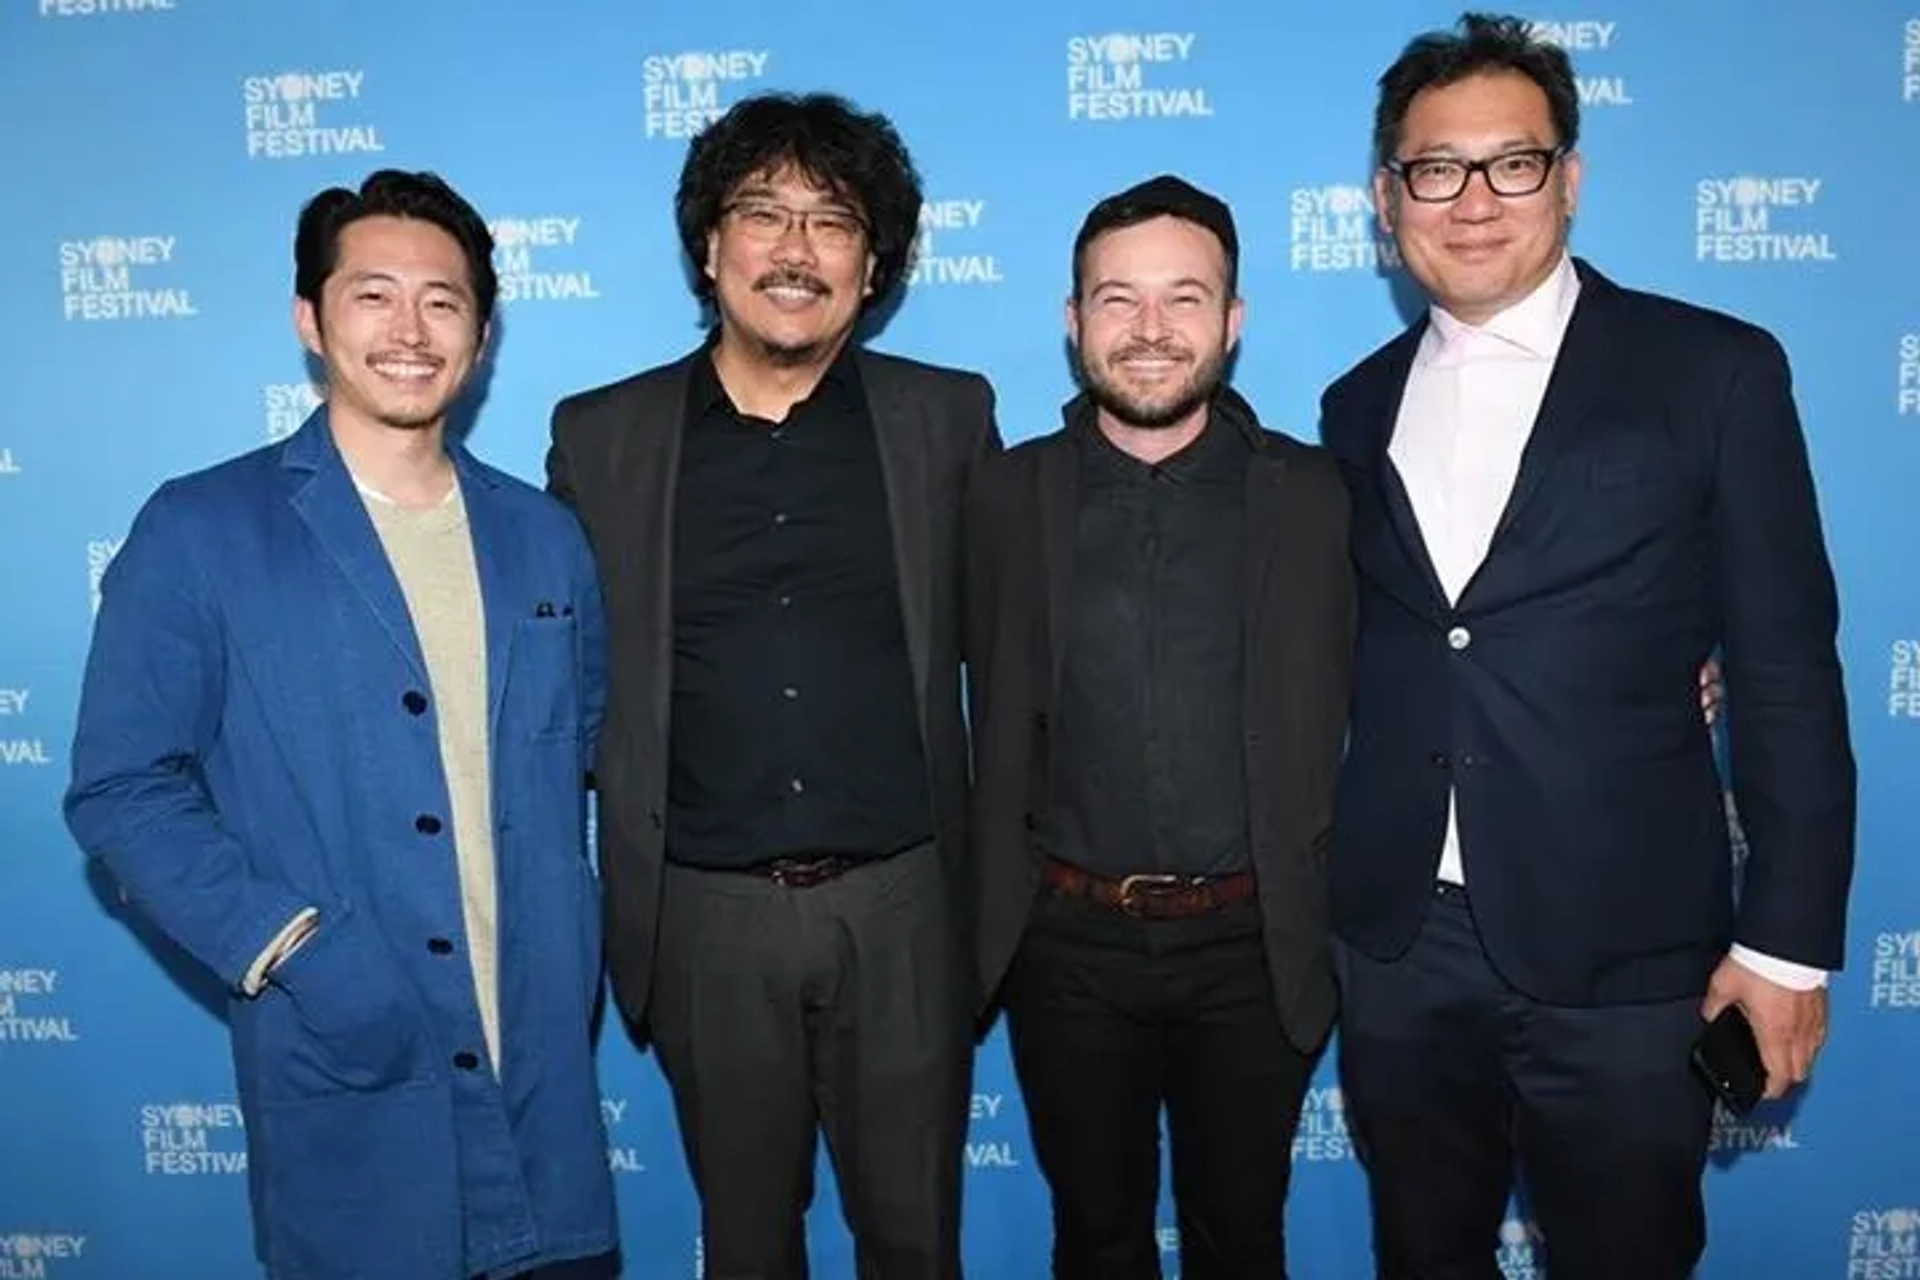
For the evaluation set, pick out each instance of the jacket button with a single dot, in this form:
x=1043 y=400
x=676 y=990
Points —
x=1459 y=638
x=439 y=946
x=414 y=701
x=427 y=825
x=653 y=816
x=1440 y=760
x=466 y=1061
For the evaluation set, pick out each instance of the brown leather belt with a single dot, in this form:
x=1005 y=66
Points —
x=1149 y=897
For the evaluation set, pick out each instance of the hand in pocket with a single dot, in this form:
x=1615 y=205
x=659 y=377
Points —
x=358 y=1022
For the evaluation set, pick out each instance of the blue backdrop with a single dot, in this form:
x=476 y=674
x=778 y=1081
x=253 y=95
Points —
x=1755 y=155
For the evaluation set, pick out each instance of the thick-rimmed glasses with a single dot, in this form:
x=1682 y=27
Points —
x=1438 y=179
x=833 y=230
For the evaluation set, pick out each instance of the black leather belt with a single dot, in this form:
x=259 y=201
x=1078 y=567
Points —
x=804 y=872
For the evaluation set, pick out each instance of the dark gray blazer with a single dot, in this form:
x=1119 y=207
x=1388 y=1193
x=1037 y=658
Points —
x=1298 y=631
x=615 y=458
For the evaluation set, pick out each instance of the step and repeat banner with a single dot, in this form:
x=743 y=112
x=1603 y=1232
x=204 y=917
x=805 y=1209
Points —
x=1753 y=155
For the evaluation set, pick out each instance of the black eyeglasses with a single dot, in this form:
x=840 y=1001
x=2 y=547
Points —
x=767 y=221
x=1438 y=179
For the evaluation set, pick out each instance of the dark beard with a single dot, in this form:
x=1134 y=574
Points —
x=794 y=355
x=1140 y=415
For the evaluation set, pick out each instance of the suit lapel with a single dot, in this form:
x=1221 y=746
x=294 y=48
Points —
x=1392 y=490
x=334 y=512
x=902 y=437
x=1058 y=497
x=498 y=560
x=1265 y=512
x=646 y=467
x=1580 y=380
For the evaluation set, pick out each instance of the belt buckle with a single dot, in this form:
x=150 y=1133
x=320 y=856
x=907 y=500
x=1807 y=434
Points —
x=791 y=874
x=1136 y=890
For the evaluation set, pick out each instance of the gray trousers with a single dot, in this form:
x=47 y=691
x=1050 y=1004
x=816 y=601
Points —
x=782 y=1013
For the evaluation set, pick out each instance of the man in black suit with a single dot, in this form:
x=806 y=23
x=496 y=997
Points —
x=1566 y=496
x=1160 y=613
x=783 y=772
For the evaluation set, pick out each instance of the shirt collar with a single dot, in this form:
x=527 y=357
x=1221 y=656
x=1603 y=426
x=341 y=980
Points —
x=1218 y=453
x=1531 y=327
x=840 y=384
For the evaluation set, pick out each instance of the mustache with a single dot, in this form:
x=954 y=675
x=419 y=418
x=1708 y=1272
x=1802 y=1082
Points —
x=792 y=280
x=1163 y=350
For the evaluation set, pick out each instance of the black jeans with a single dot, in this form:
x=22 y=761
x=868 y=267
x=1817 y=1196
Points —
x=1110 y=1019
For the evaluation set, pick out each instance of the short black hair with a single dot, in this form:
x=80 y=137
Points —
x=1482 y=43
x=395 y=194
x=1164 y=196
x=857 y=156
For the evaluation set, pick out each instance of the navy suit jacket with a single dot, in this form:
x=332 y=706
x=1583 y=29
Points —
x=1663 y=511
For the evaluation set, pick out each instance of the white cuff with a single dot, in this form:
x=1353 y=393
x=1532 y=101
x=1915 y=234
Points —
x=282 y=945
x=1782 y=973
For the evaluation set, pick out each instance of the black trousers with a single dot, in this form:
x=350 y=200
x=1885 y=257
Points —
x=1112 y=1018
x=1452 y=1078
x=779 y=1014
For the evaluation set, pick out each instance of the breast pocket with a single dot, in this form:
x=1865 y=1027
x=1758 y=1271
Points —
x=1638 y=477
x=1631 y=514
x=543 y=679
x=1618 y=472
x=1620 y=457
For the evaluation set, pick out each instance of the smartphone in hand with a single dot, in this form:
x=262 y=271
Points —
x=1728 y=1057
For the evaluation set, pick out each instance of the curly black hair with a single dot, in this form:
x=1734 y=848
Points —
x=857 y=156
x=398 y=194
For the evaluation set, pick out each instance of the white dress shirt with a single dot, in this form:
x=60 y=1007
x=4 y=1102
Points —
x=1471 y=399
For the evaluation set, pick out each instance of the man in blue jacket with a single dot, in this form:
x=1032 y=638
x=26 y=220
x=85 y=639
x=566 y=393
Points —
x=340 y=704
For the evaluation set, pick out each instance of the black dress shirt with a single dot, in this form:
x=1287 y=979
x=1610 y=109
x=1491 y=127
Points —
x=794 y=729
x=1149 y=773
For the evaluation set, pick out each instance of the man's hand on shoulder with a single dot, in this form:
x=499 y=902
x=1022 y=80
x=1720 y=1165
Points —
x=1713 y=690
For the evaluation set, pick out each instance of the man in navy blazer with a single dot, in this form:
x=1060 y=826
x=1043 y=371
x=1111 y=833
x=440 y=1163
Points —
x=333 y=741
x=1567 y=496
